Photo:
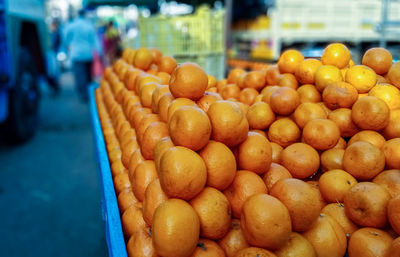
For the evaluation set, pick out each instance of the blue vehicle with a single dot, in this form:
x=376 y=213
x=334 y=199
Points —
x=23 y=44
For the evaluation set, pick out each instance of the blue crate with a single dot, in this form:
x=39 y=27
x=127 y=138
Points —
x=110 y=211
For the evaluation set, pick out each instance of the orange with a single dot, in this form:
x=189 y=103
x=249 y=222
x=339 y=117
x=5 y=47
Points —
x=140 y=245
x=267 y=92
x=301 y=201
x=162 y=145
x=214 y=212
x=248 y=96
x=284 y=100
x=361 y=77
x=391 y=150
x=220 y=163
x=275 y=173
x=117 y=168
x=394 y=250
x=157 y=55
x=209 y=98
x=154 y=132
x=276 y=152
x=163 y=105
x=379 y=59
x=322 y=134
x=288 y=80
x=143 y=58
x=306 y=112
x=337 y=212
x=208 y=248
x=339 y=95
x=230 y=91
x=315 y=186
x=132 y=221
x=369 y=242
x=153 y=197
x=144 y=174
x=128 y=151
x=289 y=60
x=234 y=75
x=369 y=136
x=138 y=115
x=284 y=132
x=221 y=84
x=156 y=96
x=176 y=104
x=366 y=204
x=393 y=74
x=336 y=54
x=297 y=246
x=393 y=211
x=332 y=159
x=326 y=75
x=244 y=185
x=182 y=173
x=255 y=251
x=308 y=93
x=388 y=93
x=305 y=71
x=363 y=160
x=260 y=115
x=144 y=79
x=229 y=124
x=136 y=158
x=254 y=79
x=342 y=118
x=392 y=130
x=144 y=124
x=125 y=200
x=167 y=64
x=272 y=75
x=262 y=211
x=300 y=159
x=190 y=127
x=255 y=153
x=334 y=184
x=212 y=81
x=327 y=237
x=176 y=229
x=234 y=240
x=164 y=77
x=390 y=180
x=188 y=80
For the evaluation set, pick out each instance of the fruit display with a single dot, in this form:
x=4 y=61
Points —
x=300 y=158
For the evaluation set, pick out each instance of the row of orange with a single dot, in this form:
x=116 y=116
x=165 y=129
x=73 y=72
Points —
x=299 y=159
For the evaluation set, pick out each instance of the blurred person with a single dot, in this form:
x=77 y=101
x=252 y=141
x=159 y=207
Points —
x=82 y=42
x=54 y=69
x=112 y=42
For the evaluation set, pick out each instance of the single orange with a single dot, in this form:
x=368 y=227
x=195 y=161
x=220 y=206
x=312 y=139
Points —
x=368 y=242
x=209 y=98
x=366 y=204
x=261 y=211
x=308 y=93
x=152 y=135
x=234 y=75
x=176 y=228
x=305 y=72
x=144 y=174
x=337 y=212
x=361 y=77
x=342 y=118
x=190 y=127
x=393 y=74
x=276 y=152
x=326 y=75
x=248 y=95
x=234 y=240
x=388 y=93
x=379 y=59
x=143 y=58
x=284 y=132
x=390 y=180
x=371 y=113
x=260 y=115
x=322 y=134
x=300 y=159
x=339 y=95
x=153 y=197
x=306 y=112
x=369 y=136
x=214 y=212
x=284 y=100
x=167 y=64
x=392 y=130
x=230 y=91
x=275 y=173
x=289 y=60
x=220 y=163
x=188 y=80
x=334 y=184
x=301 y=201
x=391 y=150
x=336 y=54
x=288 y=80
x=332 y=159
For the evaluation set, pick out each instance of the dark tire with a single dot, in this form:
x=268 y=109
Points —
x=24 y=100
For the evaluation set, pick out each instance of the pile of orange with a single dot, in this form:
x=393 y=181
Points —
x=299 y=159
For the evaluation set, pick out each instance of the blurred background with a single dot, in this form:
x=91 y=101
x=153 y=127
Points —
x=50 y=194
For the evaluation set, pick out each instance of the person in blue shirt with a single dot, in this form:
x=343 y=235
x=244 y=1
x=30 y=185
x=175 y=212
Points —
x=81 y=41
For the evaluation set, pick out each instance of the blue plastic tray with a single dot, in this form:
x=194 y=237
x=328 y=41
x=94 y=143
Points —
x=110 y=211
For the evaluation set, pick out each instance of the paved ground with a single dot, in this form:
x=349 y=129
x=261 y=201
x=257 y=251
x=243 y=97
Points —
x=49 y=187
